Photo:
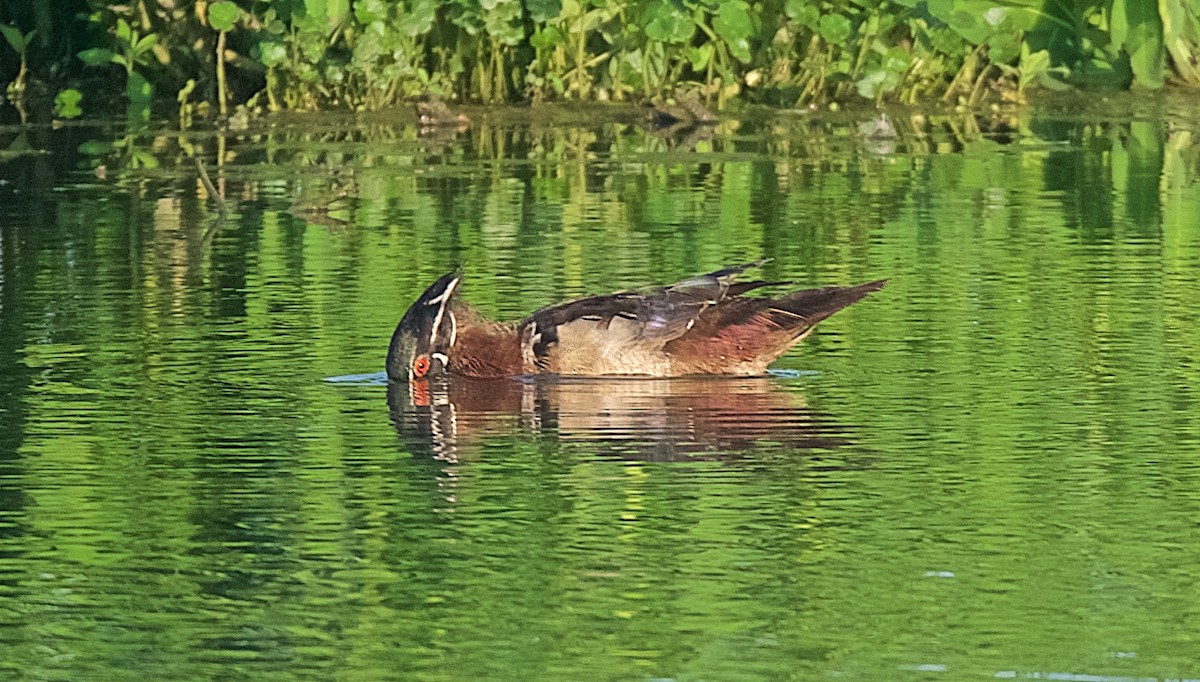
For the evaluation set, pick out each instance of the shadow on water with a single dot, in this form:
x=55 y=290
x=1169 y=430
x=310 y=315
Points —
x=659 y=420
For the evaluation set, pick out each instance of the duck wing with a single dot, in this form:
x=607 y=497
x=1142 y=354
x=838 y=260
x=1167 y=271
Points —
x=743 y=335
x=632 y=323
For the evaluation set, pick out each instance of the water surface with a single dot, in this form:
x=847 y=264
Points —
x=988 y=469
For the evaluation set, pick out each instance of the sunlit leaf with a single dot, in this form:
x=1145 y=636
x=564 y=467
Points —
x=503 y=23
x=223 y=15
x=834 y=28
x=1034 y=61
x=338 y=11
x=1051 y=83
x=316 y=9
x=732 y=21
x=370 y=11
x=145 y=44
x=547 y=37
x=871 y=85
x=946 y=41
x=418 y=20
x=141 y=158
x=124 y=31
x=667 y=22
x=271 y=54
x=1004 y=48
x=66 y=103
x=803 y=12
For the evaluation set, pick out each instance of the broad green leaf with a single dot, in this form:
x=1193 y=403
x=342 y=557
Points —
x=138 y=89
x=369 y=46
x=370 y=11
x=145 y=44
x=1051 y=83
x=328 y=14
x=700 y=57
x=740 y=49
x=419 y=19
x=1018 y=15
x=542 y=11
x=96 y=56
x=870 y=86
x=66 y=103
x=124 y=31
x=946 y=41
x=547 y=37
x=316 y=9
x=223 y=15
x=667 y=22
x=1137 y=27
x=338 y=11
x=310 y=38
x=834 y=28
x=271 y=54
x=1034 y=62
x=1003 y=48
x=973 y=27
x=19 y=41
x=732 y=21
x=803 y=12
x=897 y=60
x=503 y=22
x=141 y=158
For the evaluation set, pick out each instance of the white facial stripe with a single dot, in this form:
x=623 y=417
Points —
x=445 y=295
x=441 y=356
x=453 y=329
x=441 y=301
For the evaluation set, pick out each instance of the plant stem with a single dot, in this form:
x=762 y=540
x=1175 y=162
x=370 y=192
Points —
x=979 y=83
x=580 y=53
x=221 y=93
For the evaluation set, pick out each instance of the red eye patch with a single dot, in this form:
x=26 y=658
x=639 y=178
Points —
x=421 y=366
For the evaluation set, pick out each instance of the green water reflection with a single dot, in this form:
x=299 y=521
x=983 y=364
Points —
x=988 y=469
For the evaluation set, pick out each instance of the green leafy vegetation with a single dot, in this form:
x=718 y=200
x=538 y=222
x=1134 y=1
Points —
x=19 y=42
x=371 y=54
x=66 y=103
x=132 y=50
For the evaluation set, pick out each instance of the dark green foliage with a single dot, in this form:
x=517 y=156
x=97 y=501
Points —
x=369 y=54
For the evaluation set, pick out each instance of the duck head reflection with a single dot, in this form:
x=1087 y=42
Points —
x=645 y=419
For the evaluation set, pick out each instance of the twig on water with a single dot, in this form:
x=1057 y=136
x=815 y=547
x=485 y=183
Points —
x=209 y=187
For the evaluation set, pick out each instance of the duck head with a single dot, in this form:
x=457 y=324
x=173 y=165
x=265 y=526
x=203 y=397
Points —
x=421 y=344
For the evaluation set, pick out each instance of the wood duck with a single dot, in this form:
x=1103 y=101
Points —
x=702 y=325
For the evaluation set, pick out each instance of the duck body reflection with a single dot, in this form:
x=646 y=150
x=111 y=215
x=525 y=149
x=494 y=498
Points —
x=449 y=418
